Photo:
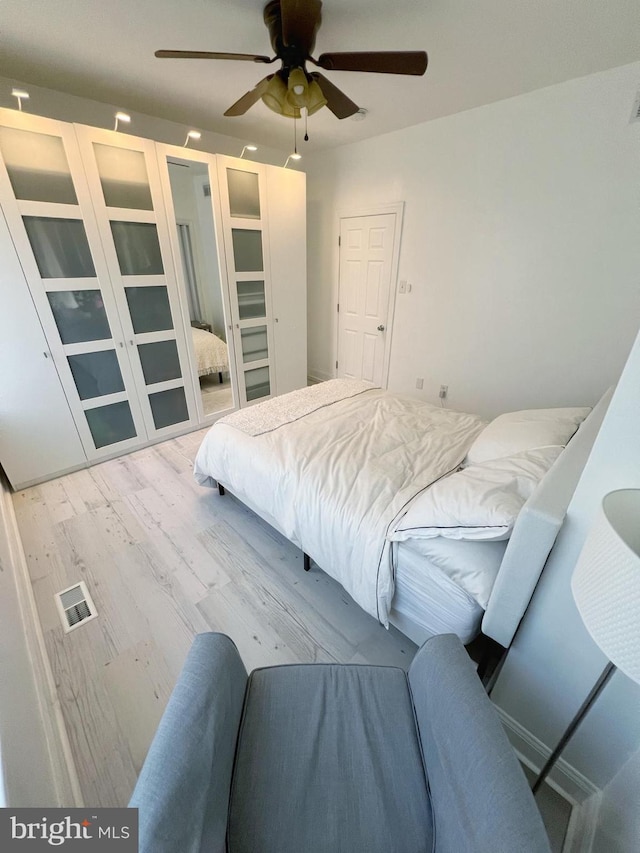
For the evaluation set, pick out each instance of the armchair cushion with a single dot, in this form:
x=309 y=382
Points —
x=328 y=762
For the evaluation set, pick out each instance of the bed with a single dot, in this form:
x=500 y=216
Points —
x=210 y=351
x=361 y=480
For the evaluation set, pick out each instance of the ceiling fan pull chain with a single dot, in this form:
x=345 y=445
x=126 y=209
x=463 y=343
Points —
x=306 y=133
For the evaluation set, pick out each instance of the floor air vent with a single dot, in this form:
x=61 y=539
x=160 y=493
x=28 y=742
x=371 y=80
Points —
x=75 y=606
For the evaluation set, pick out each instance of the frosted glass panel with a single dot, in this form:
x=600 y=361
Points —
x=247 y=250
x=110 y=424
x=37 y=166
x=79 y=315
x=60 y=247
x=251 y=301
x=149 y=309
x=169 y=407
x=96 y=373
x=256 y=383
x=254 y=343
x=123 y=175
x=159 y=361
x=244 y=195
x=137 y=248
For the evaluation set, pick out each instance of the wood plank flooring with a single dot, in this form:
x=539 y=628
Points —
x=164 y=559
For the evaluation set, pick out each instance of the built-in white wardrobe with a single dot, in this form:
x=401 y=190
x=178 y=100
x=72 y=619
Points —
x=145 y=289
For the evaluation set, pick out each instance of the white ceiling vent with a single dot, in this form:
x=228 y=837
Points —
x=75 y=606
x=635 y=113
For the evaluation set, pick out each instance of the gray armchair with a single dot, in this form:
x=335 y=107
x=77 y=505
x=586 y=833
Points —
x=330 y=758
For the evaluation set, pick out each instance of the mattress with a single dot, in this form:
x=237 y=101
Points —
x=428 y=602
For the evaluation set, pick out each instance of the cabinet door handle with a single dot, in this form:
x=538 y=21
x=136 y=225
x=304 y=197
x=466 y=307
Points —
x=45 y=354
x=120 y=344
x=275 y=320
x=130 y=343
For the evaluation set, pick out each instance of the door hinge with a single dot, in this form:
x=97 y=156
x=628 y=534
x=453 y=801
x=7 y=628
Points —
x=339 y=241
x=336 y=365
x=338 y=307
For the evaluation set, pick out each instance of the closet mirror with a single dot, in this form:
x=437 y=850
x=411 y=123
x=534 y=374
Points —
x=196 y=240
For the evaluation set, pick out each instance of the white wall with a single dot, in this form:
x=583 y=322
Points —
x=520 y=238
x=553 y=662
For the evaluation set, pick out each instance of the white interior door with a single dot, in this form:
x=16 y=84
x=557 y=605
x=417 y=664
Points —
x=366 y=266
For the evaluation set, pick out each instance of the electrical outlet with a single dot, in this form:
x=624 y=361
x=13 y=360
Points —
x=419 y=384
x=444 y=390
x=402 y=287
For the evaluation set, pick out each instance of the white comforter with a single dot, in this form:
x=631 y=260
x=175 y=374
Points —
x=211 y=352
x=335 y=480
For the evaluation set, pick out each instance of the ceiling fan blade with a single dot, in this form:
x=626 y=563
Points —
x=300 y=22
x=206 y=54
x=339 y=104
x=380 y=62
x=249 y=98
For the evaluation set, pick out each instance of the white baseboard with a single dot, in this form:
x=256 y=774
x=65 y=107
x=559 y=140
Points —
x=582 y=827
x=564 y=778
x=66 y=788
x=314 y=376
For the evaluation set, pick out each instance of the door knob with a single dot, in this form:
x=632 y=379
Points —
x=381 y=328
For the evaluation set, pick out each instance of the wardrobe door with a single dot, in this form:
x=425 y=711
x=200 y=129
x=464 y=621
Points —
x=38 y=437
x=50 y=217
x=286 y=199
x=191 y=200
x=244 y=219
x=125 y=188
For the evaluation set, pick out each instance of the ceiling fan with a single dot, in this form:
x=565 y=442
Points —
x=293 y=25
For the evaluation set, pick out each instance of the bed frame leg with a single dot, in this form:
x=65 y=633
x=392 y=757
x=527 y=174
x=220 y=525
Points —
x=220 y=489
x=220 y=376
x=307 y=562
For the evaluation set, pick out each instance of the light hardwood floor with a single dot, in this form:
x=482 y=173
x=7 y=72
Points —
x=164 y=559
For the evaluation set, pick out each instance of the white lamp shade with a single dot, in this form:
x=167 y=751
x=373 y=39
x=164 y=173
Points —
x=606 y=580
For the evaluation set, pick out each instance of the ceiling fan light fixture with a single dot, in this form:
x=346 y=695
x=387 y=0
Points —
x=275 y=97
x=297 y=85
x=315 y=98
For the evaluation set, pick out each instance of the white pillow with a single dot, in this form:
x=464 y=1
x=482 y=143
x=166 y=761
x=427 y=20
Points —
x=477 y=502
x=517 y=431
x=473 y=566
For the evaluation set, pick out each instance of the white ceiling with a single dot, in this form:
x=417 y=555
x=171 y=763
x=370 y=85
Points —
x=479 y=52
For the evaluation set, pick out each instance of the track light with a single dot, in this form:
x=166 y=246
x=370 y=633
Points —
x=121 y=117
x=294 y=156
x=21 y=95
x=248 y=148
x=193 y=134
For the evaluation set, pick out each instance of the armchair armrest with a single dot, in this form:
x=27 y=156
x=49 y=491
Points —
x=182 y=793
x=480 y=797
